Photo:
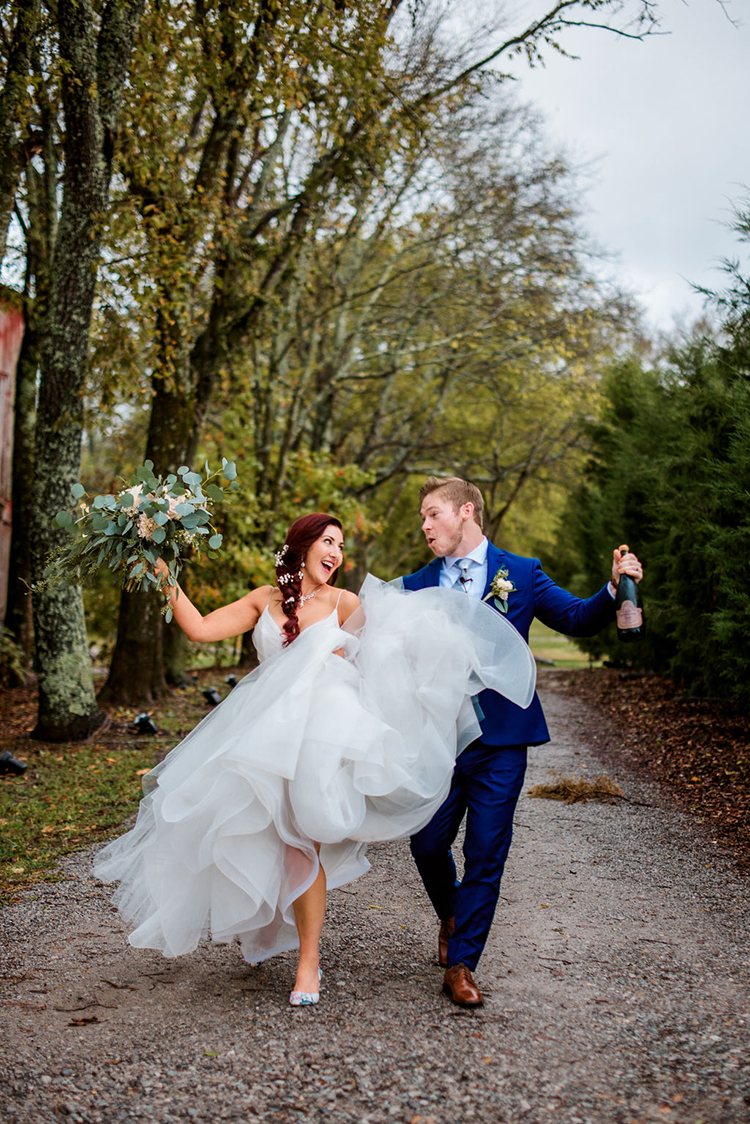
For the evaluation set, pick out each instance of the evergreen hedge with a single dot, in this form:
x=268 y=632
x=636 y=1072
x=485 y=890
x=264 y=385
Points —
x=670 y=474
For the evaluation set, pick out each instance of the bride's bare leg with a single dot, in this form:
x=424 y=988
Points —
x=309 y=913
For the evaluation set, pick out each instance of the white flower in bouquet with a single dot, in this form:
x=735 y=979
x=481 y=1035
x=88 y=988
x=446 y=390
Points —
x=145 y=526
x=175 y=501
x=135 y=493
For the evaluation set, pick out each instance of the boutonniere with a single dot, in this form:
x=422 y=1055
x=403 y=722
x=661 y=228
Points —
x=499 y=589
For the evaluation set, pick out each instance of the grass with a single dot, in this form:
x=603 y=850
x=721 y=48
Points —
x=552 y=648
x=76 y=794
x=62 y=802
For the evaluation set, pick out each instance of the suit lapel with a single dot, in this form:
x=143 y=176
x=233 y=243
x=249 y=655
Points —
x=494 y=563
x=432 y=572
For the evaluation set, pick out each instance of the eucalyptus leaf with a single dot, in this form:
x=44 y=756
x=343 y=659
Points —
x=230 y=470
x=159 y=534
x=215 y=541
x=160 y=518
x=63 y=519
x=184 y=509
x=77 y=491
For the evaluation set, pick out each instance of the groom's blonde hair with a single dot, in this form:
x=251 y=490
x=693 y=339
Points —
x=456 y=490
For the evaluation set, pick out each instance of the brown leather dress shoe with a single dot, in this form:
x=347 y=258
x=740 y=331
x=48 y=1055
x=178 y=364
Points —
x=460 y=986
x=446 y=932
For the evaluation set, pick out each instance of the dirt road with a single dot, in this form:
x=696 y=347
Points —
x=616 y=981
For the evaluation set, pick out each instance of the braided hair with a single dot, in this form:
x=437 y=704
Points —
x=290 y=562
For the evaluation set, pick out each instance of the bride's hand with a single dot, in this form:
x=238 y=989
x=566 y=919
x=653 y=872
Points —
x=161 y=569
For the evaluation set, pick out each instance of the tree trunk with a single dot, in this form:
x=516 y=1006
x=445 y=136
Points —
x=175 y=651
x=135 y=676
x=42 y=218
x=94 y=73
x=14 y=151
x=18 y=619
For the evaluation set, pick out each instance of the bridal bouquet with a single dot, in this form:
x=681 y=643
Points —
x=129 y=531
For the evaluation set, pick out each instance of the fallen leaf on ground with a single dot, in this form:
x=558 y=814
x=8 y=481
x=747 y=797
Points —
x=573 y=789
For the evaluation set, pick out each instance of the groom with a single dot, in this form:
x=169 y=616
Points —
x=489 y=773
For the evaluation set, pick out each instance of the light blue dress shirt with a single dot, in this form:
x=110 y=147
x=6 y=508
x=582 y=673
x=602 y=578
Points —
x=450 y=573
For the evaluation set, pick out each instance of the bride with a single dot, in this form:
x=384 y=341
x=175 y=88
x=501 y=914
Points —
x=346 y=733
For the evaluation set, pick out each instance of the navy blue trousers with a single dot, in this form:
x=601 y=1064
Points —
x=486 y=784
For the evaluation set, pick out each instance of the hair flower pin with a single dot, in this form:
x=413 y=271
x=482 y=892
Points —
x=279 y=556
x=499 y=589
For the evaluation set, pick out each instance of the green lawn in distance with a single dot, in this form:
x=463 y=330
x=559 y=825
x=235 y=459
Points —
x=549 y=645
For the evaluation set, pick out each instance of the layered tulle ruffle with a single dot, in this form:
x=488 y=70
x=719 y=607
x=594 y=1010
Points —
x=310 y=748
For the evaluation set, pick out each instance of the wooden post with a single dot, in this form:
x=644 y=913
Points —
x=11 y=333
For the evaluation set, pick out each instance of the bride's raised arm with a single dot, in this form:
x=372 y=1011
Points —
x=230 y=620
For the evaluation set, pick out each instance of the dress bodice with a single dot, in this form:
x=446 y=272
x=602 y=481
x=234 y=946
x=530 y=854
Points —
x=268 y=638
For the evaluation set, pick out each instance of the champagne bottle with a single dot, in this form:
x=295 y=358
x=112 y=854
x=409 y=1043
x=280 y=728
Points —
x=628 y=607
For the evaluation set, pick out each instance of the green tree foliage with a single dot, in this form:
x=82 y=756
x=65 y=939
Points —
x=670 y=475
x=17 y=142
x=259 y=149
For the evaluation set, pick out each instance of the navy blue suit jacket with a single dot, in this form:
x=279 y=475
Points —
x=535 y=595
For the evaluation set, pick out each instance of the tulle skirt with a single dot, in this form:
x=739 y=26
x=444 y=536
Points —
x=310 y=748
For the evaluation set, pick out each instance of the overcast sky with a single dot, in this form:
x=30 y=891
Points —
x=662 y=127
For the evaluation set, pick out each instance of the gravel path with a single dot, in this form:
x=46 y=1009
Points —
x=616 y=981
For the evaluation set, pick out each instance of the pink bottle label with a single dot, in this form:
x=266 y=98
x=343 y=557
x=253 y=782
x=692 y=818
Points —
x=629 y=615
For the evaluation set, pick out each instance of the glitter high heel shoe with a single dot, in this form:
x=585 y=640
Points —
x=305 y=998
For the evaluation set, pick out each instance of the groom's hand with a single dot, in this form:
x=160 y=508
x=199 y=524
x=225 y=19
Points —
x=625 y=564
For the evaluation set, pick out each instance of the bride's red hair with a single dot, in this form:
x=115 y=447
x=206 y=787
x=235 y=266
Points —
x=299 y=538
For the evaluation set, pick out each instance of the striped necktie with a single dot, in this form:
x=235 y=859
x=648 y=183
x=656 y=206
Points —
x=465 y=579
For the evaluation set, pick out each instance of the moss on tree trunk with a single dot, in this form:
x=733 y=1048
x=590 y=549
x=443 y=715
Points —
x=95 y=67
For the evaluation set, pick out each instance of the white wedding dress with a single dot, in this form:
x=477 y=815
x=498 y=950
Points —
x=310 y=748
